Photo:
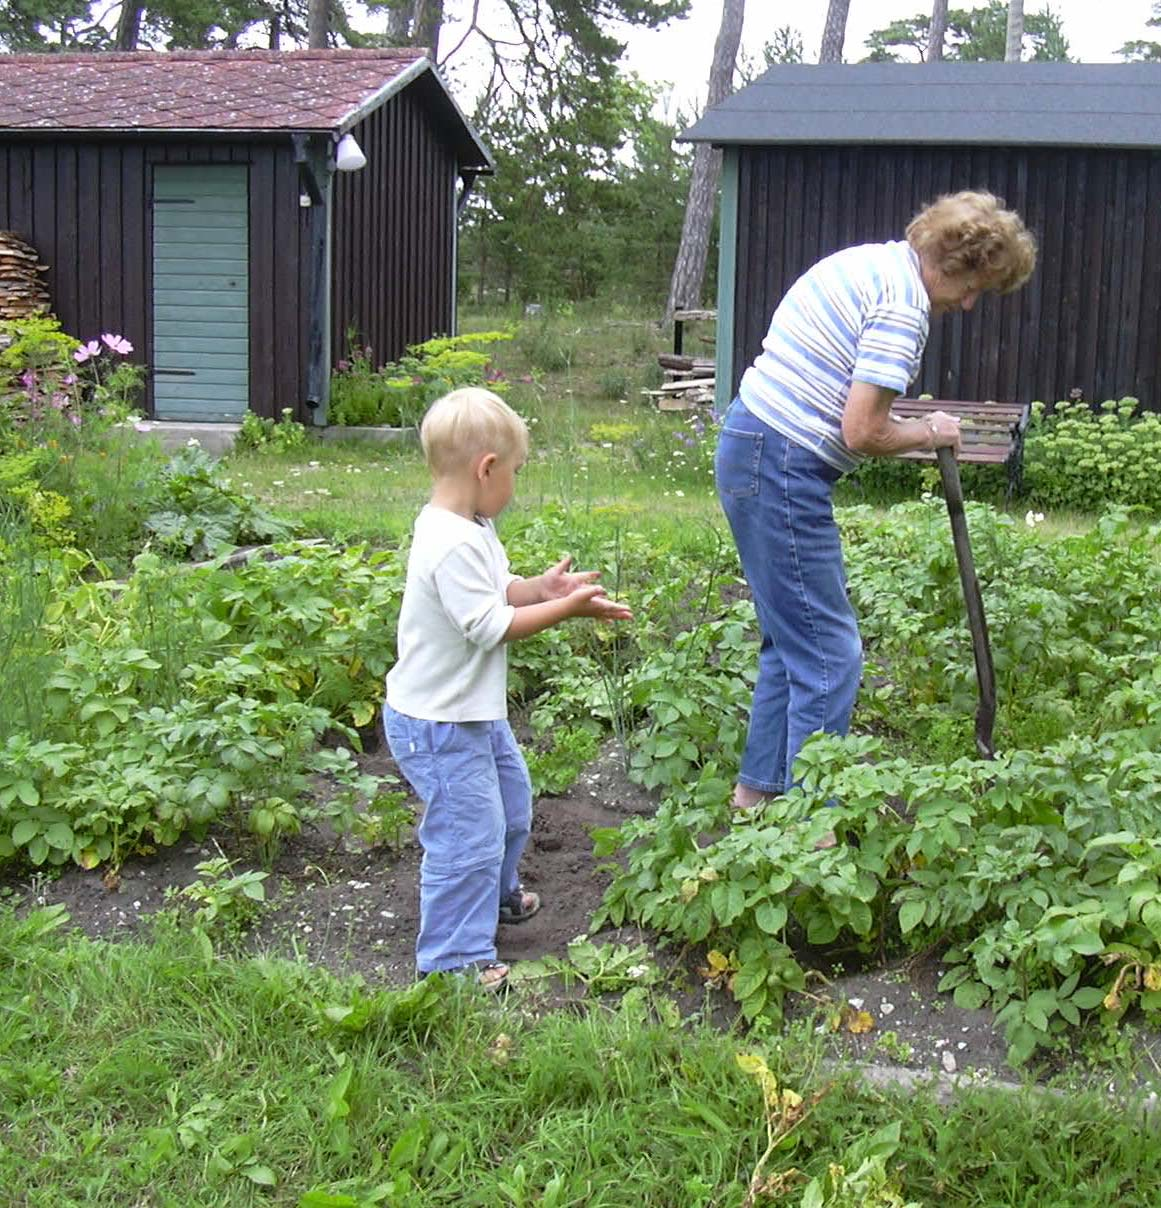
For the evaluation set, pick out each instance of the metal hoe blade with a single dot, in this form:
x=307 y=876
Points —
x=977 y=622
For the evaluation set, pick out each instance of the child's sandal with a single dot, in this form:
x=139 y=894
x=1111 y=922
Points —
x=519 y=906
x=492 y=977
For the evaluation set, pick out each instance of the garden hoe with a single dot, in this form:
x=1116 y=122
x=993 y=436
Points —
x=977 y=622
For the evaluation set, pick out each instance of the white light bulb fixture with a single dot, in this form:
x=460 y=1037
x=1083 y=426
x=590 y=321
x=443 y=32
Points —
x=349 y=155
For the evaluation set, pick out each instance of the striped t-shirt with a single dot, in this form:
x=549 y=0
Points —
x=859 y=315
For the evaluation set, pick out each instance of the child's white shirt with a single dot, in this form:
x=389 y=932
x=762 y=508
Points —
x=453 y=660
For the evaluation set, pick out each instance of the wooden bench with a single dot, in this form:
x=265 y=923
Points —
x=993 y=433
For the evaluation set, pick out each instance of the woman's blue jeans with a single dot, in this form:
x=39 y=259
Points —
x=477 y=816
x=777 y=498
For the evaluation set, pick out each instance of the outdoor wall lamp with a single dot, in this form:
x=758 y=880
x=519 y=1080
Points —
x=349 y=155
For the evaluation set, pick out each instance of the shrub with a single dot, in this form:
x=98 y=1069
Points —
x=1085 y=459
x=546 y=348
x=282 y=435
x=60 y=400
x=399 y=393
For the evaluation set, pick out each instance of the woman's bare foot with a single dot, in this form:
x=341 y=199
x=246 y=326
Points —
x=745 y=797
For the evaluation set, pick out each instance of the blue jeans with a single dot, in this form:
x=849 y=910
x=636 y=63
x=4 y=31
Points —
x=477 y=816
x=777 y=498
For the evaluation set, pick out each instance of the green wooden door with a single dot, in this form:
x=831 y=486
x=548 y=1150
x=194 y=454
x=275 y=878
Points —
x=201 y=293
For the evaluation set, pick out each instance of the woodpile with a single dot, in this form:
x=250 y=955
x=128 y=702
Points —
x=689 y=380
x=22 y=292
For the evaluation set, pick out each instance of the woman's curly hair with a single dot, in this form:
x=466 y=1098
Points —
x=971 y=234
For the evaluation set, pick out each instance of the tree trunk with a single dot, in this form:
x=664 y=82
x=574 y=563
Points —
x=275 y=41
x=689 y=268
x=318 y=24
x=835 y=32
x=1015 y=31
x=399 y=24
x=428 y=21
x=128 y=25
x=938 y=31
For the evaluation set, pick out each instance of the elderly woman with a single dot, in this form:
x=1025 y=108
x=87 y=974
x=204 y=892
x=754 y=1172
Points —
x=844 y=341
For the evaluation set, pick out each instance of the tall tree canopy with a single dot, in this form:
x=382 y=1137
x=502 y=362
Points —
x=587 y=195
x=973 y=35
x=523 y=29
x=36 y=25
x=1140 y=50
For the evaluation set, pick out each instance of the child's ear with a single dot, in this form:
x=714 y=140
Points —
x=485 y=464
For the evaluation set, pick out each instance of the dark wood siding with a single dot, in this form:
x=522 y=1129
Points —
x=1087 y=321
x=84 y=205
x=393 y=258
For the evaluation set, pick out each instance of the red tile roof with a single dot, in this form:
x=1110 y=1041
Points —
x=195 y=90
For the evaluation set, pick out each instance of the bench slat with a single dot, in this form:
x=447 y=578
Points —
x=977 y=454
x=993 y=433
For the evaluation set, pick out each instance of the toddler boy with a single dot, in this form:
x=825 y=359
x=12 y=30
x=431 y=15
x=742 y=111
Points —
x=446 y=709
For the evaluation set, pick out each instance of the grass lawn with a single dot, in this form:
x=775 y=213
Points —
x=149 y=1074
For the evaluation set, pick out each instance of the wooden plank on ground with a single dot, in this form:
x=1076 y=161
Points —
x=687 y=384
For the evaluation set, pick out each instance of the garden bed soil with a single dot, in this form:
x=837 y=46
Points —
x=354 y=910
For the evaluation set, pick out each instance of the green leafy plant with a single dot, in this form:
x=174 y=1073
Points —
x=283 y=435
x=198 y=514
x=555 y=769
x=398 y=393
x=62 y=405
x=1085 y=458
x=601 y=968
x=221 y=900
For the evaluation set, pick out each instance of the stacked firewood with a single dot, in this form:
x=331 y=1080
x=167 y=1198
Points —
x=689 y=382
x=22 y=292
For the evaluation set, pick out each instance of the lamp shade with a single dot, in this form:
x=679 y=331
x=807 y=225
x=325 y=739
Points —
x=349 y=155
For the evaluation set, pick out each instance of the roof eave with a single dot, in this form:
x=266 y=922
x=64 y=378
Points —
x=396 y=85
x=255 y=132
x=900 y=140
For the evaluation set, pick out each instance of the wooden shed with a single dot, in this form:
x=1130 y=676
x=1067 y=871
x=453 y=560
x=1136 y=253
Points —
x=192 y=202
x=817 y=158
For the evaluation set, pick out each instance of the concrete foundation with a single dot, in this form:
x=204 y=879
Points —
x=218 y=439
x=215 y=439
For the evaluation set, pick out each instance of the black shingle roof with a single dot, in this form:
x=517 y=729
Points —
x=1056 y=104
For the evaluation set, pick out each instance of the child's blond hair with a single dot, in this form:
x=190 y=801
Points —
x=466 y=423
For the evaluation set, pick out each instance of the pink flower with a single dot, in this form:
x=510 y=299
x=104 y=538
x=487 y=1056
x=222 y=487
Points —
x=69 y=379
x=76 y=419
x=117 y=344
x=86 y=352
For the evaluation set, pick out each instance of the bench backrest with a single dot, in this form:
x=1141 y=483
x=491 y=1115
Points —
x=992 y=432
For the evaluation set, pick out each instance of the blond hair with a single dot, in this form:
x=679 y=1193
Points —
x=466 y=423
x=971 y=234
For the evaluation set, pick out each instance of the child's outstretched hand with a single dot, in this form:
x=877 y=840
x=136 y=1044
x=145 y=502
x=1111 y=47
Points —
x=589 y=600
x=561 y=580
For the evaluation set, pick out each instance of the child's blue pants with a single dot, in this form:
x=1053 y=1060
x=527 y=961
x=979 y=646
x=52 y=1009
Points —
x=477 y=817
